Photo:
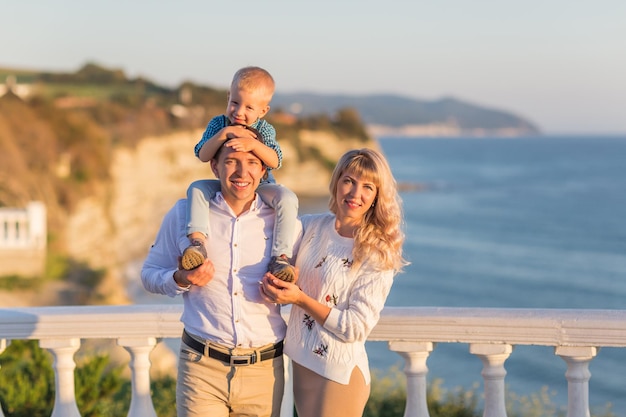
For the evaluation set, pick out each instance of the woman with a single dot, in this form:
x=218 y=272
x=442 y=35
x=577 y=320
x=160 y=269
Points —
x=346 y=261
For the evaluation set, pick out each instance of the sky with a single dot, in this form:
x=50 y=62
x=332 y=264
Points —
x=559 y=63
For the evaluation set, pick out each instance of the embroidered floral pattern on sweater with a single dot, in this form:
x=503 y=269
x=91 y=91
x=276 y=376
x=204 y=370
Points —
x=322 y=350
x=331 y=298
x=308 y=321
x=347 y=262
x=321 y=262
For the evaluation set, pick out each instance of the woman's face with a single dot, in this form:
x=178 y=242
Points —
x=355 y=195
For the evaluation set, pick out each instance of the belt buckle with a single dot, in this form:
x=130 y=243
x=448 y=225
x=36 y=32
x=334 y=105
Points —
x=241 y=360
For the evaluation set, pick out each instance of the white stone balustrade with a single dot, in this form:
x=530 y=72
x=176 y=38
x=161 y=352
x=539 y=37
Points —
x=139 y=349
x=63 y=352
x=412 y=332
x=493 y=356
x=415 y=355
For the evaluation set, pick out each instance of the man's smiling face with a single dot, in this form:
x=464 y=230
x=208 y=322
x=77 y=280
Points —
x=240 y=174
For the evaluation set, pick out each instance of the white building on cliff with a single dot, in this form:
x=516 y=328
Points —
x=10 y=84
x=23 y=239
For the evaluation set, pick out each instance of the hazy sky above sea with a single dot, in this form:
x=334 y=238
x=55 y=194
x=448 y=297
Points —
x=559 y=63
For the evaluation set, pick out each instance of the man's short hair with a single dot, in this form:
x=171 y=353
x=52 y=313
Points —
x=258 y=137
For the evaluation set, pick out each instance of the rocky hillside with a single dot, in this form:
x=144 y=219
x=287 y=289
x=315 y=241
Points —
x=109 y=165
x=118 y=223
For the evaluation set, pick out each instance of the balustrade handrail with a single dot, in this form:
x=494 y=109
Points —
x=412 y=332
x=547 y=327
x=517 y=326
x=91 y=322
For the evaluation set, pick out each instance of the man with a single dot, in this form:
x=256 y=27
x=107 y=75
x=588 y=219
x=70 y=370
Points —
x=230 y=360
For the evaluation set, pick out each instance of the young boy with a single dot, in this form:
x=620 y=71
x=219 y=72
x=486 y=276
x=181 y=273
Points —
x=249 y=96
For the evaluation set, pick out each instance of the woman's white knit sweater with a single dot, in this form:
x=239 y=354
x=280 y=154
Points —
x=356 y=298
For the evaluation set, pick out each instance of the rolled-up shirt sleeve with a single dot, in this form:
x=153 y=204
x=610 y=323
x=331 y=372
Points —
x=157 y=272
x=268 y=134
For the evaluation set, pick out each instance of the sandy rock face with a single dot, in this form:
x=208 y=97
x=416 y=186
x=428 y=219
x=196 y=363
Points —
x=119 y=222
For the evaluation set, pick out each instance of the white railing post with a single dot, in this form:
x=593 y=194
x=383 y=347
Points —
x=3 y=345
x=141 y=401
x=286 y=407
x=415 y=355
x=493 y=357
x=63 y=352
x=577 y=375
x=410 y=331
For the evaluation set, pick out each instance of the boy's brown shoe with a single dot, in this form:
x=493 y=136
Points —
x=281 y=268
x=194 y=255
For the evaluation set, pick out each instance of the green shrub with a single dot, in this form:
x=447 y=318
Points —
x=388 y=394
x=27 y=385
x=388 y=398
x=458 y=402
x=97 y=385
x=26 y=380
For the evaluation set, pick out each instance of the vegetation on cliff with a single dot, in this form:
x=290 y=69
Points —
x=60 y=138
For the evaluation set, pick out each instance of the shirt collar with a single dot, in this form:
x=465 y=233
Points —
x=256 y=205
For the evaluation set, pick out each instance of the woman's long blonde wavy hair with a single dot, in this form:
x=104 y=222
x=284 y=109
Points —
x=379 y=239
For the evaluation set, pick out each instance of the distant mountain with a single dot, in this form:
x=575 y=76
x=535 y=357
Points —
x=394 y=114
x=383 y=114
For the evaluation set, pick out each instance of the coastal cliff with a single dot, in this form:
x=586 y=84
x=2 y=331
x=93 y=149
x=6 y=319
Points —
x=107 y=171
x=117 y=224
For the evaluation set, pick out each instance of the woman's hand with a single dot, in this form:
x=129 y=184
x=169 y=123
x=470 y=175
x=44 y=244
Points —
x=273 y=290
x=277 y=291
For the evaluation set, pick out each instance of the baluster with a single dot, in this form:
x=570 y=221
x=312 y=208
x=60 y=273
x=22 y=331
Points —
x=286 y=407
x=3 y=345
x=493 y=357
x=141 y=401
x=577 y=375
x=415 y=355
x=63 y=352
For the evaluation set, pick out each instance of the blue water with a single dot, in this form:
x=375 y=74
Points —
x=525 y=222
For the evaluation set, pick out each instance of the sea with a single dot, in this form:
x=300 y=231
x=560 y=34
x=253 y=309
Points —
x=536 y=222
x=524 y=222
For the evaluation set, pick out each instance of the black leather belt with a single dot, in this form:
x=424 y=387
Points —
x=234 y=360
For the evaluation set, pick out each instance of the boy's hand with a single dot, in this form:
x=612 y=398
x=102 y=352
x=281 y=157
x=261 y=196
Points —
x=243 y=144
x=238 y=131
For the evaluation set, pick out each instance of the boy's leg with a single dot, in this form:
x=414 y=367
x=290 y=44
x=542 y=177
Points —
x=199 y=194
x=285 y=203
